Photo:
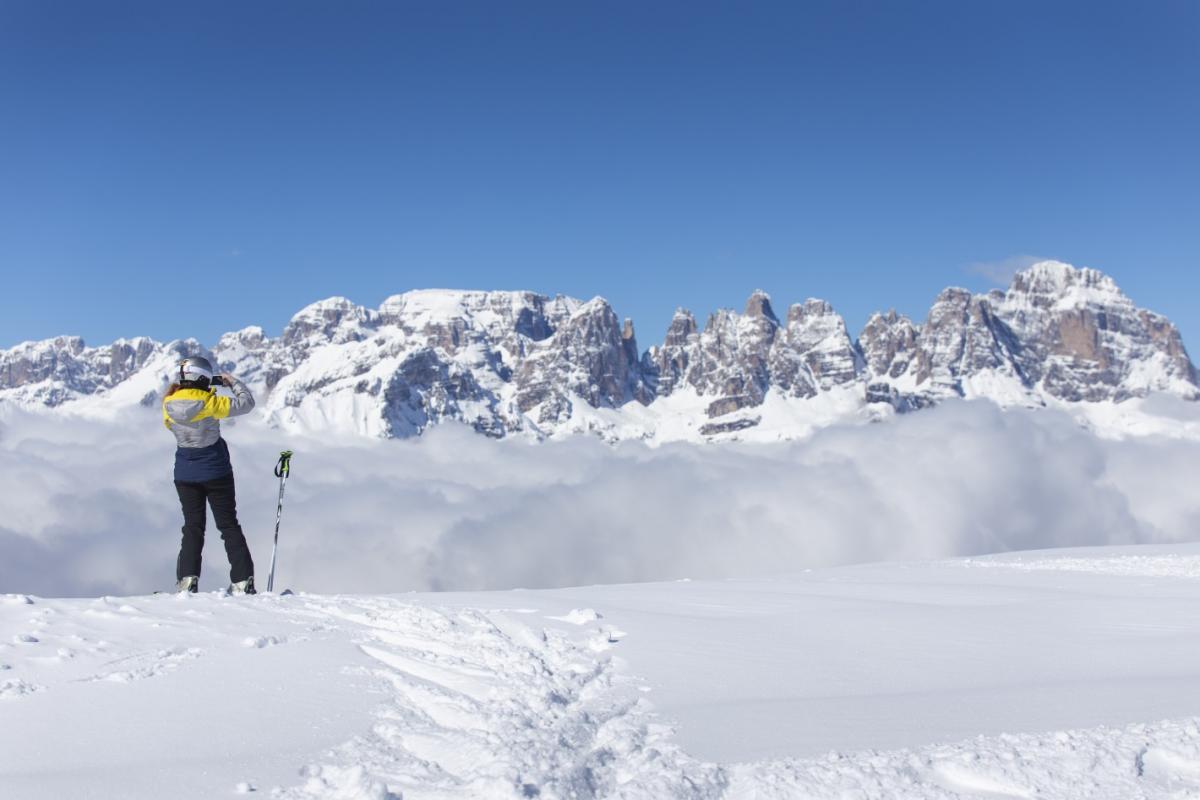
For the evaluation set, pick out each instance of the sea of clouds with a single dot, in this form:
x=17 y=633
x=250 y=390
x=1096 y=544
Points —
x=89 y=506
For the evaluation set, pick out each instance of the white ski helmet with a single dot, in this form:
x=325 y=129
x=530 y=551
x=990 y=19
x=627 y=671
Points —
x=194 y=368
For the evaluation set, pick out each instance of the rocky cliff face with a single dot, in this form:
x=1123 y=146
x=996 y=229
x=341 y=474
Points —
x=1058 y=333
x=507 y=362
x=1083 y=339
x=738 y=358
x=55 y=371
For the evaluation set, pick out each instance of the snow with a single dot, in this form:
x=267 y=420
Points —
x=1000 y=387
x=1139 y=761
x=318 y=309
x=1064 y=674
x=1145 y=562
x=1157 y=415
x=1065 y=287
x=679 y=417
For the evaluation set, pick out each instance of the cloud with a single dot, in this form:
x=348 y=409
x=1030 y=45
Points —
x=1000 y=273
x=89 y=507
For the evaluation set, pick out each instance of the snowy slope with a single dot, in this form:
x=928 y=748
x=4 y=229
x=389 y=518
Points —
x=1055 y=674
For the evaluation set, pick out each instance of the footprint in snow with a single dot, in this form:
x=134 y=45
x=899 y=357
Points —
x=614 y=634
x=12 y=689
x=259 y=642
x=160 y=663
x=16 y=599
x=25 y=638
x=579 y=616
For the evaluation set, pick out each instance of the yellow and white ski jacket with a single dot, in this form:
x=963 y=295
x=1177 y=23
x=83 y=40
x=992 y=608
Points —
x=194 y=415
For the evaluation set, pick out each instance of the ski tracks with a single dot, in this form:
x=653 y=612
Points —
x=488 y=708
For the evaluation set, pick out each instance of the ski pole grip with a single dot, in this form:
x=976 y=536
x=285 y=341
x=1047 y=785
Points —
x=284 y=464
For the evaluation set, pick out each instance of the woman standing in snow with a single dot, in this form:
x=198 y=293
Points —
x=191 y=410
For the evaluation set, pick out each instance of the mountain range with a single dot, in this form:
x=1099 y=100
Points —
x=511 y=362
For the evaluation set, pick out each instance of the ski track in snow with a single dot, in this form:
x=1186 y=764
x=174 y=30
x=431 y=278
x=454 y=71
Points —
x=478 y=703
x=484 y=708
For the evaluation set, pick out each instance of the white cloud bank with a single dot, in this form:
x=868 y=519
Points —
x=89 y=508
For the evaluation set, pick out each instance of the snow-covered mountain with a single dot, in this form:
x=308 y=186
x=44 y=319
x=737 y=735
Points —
x=508 y=362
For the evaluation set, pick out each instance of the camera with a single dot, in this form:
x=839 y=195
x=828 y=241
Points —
x=217 y=380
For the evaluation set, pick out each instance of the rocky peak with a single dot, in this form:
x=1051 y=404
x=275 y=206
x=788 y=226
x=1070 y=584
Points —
x=666 y=366
x=812 y=308
x=888 y=343
x=1055 y=284
x=332 y=319
x=729 y=360
x=249 y=337
x=58 y=370
x=633 y=359
x=1057 y=332
x=759 y=305
x=452 y=319
x=254 y=357
x=587 y=357
x=814 y=351
x=682 y=328
x=963 y=337
x=56 y=359
x=627 y=330
x=1084 y=339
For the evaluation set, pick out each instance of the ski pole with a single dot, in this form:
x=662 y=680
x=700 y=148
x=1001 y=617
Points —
x=282 y=468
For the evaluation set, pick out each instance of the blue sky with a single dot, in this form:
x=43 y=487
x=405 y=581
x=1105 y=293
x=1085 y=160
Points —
x=177 y=169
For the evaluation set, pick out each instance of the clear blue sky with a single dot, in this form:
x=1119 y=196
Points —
x=183 y=169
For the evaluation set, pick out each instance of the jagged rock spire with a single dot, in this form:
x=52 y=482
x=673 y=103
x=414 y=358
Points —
x=759 y=305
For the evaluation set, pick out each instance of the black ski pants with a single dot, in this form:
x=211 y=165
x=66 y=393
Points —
x=220 y=496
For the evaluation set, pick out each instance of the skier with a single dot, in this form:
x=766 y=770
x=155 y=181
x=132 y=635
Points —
x=191 y=410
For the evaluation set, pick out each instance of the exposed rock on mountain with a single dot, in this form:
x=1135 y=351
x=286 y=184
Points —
x=1058 y=333
x=888 y=344
x=814 y=352
x=1083 y=339
x=506 y=362
x=590 y=356
x=667 y=366
x=738 y=358
x=55 y=371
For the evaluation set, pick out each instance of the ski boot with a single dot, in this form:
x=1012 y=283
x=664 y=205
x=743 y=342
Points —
x=243 y=587
x=190 y=583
